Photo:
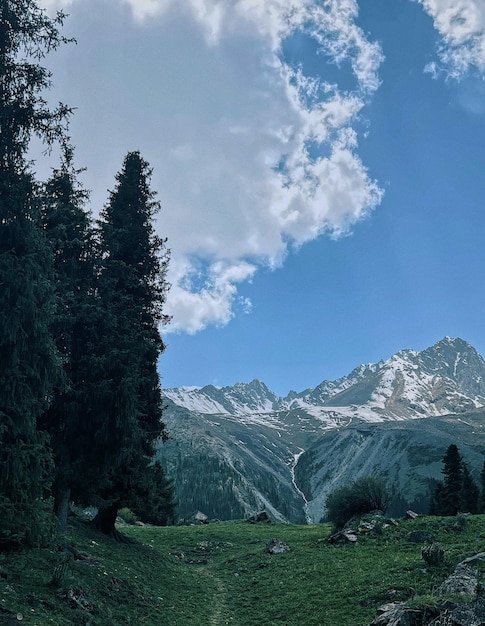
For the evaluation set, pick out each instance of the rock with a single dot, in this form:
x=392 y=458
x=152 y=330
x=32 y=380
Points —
x=464 y=580
x=257 y=518
x=420 y=536
x=470 y=614
x=277 y=547
x=201 y=518
x=397 y=614
x=411 y=514
x=476 y=558
x=343 y=536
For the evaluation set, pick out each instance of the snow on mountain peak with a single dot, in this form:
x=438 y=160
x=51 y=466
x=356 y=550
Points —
x=444 y=378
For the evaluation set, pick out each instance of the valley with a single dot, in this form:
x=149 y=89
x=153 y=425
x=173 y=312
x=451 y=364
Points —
x=238 y=449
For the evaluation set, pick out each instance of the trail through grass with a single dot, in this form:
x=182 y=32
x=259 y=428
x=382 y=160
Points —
x=220 y=574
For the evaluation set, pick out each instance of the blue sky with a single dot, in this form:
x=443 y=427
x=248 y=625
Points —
x=320 y=165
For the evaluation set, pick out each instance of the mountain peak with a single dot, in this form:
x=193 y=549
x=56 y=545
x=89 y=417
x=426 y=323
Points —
x=447 y=377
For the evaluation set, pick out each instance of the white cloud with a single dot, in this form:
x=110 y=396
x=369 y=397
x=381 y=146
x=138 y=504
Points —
x=250 y=155
x=213 y=301
x=461 y=23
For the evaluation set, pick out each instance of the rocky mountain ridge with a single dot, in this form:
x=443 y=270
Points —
x=447 y=377
x=251 y=449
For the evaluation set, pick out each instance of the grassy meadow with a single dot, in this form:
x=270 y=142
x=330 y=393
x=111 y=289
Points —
x=220 y=573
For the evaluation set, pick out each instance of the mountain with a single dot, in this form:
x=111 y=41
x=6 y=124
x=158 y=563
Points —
x=239 y=448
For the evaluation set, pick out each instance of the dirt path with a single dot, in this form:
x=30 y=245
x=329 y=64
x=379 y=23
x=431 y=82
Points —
x=219 y=615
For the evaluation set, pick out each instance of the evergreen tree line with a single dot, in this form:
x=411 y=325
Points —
x=458 y=491
x=81 y=304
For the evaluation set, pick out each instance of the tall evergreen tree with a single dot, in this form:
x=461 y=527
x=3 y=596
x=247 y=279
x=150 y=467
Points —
x=452 y=483
x=132 y=291
x=456 y=488
x=29 y=364
x=70 y=233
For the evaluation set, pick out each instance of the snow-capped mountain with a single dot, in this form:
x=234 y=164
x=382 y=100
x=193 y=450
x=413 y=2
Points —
x=445 y=378
x=238 y=399
x=238 y=448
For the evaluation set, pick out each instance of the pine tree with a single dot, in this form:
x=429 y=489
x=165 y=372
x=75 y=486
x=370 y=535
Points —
x=70 y=233
x=132 y=293
x=452 y=484
x=29 y=364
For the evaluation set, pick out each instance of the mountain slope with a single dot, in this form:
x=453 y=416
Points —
x=235 y=449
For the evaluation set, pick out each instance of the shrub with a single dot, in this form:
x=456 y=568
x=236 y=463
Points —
x=362 y=496
x=127 y=515
x=433 y=554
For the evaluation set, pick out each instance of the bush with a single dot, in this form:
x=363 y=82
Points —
x=433 y=554
x=362 y=496
x=127 y=516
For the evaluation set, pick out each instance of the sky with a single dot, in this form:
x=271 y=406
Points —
x=320 y=166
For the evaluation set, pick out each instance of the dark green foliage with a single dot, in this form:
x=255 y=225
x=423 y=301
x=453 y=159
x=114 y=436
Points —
x=70 y=234
x=132 y=290
x=362 y=496
x=452 y=483
x=152 y=498
x=30 y=366
x=26 y=35
x=458 y=491
x=79 y=322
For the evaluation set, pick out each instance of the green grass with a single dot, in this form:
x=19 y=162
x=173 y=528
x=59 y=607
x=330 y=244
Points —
x=220 y=574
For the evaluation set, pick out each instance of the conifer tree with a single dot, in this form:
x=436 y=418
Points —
x=458 y=491
x=132 y=291
x=70 y=234
x=452 y=483
x=29 y=364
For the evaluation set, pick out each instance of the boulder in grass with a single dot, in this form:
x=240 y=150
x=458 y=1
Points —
x=343 y=536
x=277 y=547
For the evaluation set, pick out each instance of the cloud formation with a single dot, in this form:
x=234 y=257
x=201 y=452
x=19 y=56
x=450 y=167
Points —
x=252 y=155
x=461 y=24
x=262 y=173
x=257 y=156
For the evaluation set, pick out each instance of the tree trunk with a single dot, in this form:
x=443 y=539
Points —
x=105 y=522
x=61 y=507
